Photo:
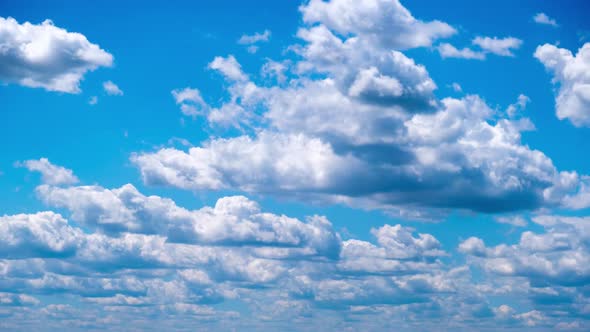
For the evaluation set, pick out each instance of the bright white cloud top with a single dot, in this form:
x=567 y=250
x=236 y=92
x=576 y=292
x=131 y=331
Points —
x=44 y=55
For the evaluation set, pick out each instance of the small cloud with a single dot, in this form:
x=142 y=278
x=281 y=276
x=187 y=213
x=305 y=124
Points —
x=447 y=50
x=190 y=100
x=50 y=173
x=252 y=49
x=517 y=221
x=520 y=105
x=498 y=46
x=112 y=89
x=93 y=100
x=542 y=18
x=255 y=38
x=456 y=87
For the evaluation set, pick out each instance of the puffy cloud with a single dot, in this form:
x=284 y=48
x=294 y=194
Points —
x=542 y=18
x=233 y=221
x=447 y=50
x=44 y=234
x=44 y=55
x=498 y=46
x=50 y=173
x=358 y=123
x=454 y=154
x=384 y=21
x=229 y=68
x=570 y=73
x=112 y=89
x=190 y=100
x=556 y=257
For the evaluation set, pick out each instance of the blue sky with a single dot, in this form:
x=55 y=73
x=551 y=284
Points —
x=291 y=165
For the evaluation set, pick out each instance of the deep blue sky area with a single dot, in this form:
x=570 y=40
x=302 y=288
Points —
x=270 y=165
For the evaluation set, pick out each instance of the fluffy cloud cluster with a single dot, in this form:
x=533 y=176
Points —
x=43 y=55
x=122 y=252
x=551 y=264
x=571 y=74
x=358 y=123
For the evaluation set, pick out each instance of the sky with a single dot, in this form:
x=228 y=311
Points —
x=338 y=165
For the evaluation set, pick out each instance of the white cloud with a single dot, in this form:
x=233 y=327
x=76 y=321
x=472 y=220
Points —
x=542 y=18
x=44 y=234
x=233 y=221
x=391 y=24
x=43 y=55
x=228 y=67
x=516 y=220
x=50 y=173
x=447 y=50
x=570 y=74
x=190 y=100
x=255 y=38
x=93 y=100
x=112 y=89
x=520 y=105
x=498 y=46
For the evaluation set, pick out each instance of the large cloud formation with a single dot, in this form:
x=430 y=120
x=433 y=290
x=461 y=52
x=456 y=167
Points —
x=358 y=122
x=125 y=258
x=44 y=55
x=572 y=75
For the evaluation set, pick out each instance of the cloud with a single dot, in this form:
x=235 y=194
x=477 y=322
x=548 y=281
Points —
x=551 y=264
x=233 y=221
x=447 y=50
x=50 y=173
x=255 y=38
x=190 y=100
x=112 y=89
x=44 y=234
x=517 y=221
x=93 y=100
x=229 y=68
x=357 y=122
x=44 y=55
x=392 y=25
x=542 y=18
x=520 y=105
x=498 y=46
x=333 y=160
x=570 y=74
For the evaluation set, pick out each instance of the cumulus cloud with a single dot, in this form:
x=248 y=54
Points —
x=447 y=50
x=570 y=74
x=498 y=46
x=552 y=263
x=359 y=124
x=112 y=89
x=542 y=18
x=50 y=173
x=392 y=25
x=232 y=251
x=44 y=55
x=233 y=221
